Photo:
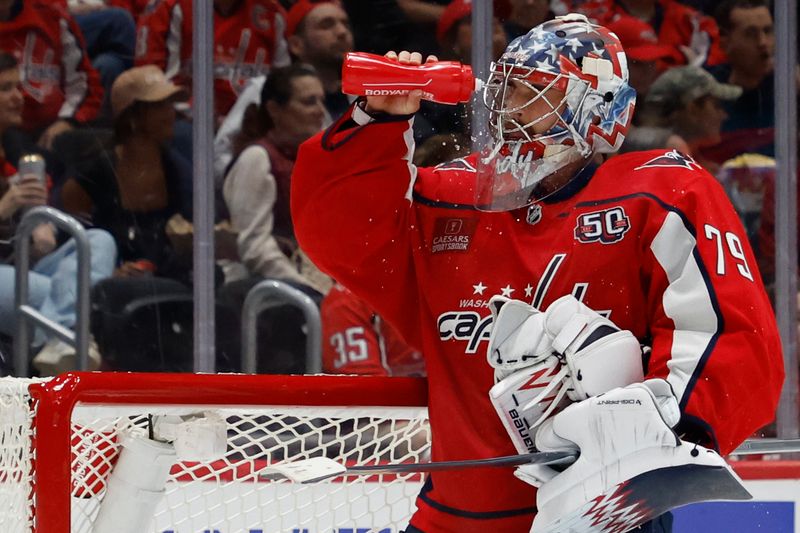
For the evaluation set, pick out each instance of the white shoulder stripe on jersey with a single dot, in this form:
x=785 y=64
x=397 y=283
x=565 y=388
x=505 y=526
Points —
x=686 y=301
x=408 y=137
x=174 y=43
x=76 y=83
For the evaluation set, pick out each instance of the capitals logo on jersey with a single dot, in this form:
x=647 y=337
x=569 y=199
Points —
x=40 y=73
x=671 y=159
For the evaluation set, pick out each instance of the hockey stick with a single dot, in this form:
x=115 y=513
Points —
x=757 y=446
x=320 y=468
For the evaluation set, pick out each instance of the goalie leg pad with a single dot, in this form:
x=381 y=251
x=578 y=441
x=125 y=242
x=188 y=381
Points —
x=626 y=444
x=643 y=494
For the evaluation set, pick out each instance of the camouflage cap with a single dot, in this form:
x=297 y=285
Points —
x=687 y=83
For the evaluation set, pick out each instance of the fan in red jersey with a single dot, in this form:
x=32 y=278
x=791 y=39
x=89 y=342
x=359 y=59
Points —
x=606 y=299
x=61 y=87
x=248 y=40
x=692 y=37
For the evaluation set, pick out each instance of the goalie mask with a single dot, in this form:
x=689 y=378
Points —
x=557 y=95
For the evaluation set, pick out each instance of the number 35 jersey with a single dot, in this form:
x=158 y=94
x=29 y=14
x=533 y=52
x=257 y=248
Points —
x=650 y=240
x=356 y=340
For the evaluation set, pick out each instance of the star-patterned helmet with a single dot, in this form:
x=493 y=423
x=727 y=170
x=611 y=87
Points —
x=567 y=56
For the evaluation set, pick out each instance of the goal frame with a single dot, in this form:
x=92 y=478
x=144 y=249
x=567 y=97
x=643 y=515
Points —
x=56 y=399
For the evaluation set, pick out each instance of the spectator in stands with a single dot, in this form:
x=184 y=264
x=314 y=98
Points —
x=318 y=33
x=526 y=14
x=256 y=192
x=746 y=32
x=248 y=41
x=356 y=340
x=52 y=280
x=257 y=185
x=60 y=86
x=419 y=18
x=110 y=34
x=692 y=36
x=689 y=102
x=133 y=188
x=136 y=186
x=646 y=56
x=766 y=252
x=643 y=138
x=454 y=31
x=746 y=179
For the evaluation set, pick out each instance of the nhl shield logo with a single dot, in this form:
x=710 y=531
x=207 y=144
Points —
x=534 y=214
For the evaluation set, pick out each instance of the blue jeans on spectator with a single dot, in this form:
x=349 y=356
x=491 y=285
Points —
x=110 y=36
x=53 y=282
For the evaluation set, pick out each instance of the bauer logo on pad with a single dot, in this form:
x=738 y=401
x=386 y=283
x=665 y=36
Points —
x=452 y=234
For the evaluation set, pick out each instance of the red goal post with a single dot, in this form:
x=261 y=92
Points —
x=71 y=428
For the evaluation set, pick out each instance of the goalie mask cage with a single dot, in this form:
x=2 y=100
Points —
x=61 y=439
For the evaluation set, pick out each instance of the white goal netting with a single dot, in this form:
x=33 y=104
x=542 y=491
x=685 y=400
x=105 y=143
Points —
x=224 y=495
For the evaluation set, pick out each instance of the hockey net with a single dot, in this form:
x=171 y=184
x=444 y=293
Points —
x=61 y=439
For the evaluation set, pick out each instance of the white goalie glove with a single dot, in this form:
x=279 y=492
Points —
x=632 y=467
x=542 y=360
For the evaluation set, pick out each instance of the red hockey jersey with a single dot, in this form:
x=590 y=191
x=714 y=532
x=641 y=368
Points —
x=356 y=340
x=58 y=80
x=650 y=239
x=246 y=44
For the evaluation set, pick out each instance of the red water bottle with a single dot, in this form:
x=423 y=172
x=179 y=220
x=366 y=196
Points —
x=445 y=82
